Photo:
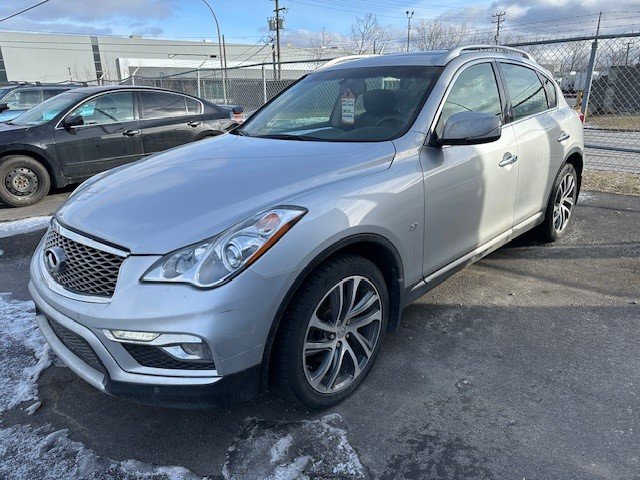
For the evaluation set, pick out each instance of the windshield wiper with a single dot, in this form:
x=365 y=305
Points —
x=287 y=136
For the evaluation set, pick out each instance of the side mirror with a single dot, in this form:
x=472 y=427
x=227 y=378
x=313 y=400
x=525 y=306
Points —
x=470 y=128
x=73 y=121
x=3 y=107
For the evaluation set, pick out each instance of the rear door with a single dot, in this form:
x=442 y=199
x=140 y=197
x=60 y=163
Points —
x=469 y=195
x=537 y=130
x=168 y=120
x=109 y=137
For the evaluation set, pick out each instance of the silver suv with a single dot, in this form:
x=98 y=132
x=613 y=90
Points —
x=283 y=252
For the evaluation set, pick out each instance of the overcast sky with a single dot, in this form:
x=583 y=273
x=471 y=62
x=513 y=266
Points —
x=244 y=21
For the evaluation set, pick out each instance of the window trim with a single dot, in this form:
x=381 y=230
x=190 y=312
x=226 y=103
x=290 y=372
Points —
x=510 y=116
x=544 y=78
x=178 y=94
x=431 y=137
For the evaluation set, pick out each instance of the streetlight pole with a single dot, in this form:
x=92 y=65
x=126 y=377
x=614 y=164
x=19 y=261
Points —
x=409 y=17
x=223 y=73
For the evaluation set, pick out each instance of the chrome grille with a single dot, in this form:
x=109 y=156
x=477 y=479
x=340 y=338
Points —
x=87 y=270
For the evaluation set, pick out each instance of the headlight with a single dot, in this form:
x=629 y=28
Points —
x=219 y=259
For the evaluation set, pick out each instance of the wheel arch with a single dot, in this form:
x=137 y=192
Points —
x=575 y=157
x=40 y=157
x=375 y=248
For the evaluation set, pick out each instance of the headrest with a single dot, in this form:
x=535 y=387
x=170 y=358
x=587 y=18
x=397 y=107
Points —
x=380 y=102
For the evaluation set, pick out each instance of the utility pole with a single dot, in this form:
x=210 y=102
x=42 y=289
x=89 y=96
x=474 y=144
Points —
x=409 y=17
x=499 y=18
x=279 y=23
x=223 y=73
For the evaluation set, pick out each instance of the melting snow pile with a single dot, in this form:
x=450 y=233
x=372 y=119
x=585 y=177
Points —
x=293 y=450
x=27 y=225
x=23 y=353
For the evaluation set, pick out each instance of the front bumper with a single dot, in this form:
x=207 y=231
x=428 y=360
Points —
x=233 y=320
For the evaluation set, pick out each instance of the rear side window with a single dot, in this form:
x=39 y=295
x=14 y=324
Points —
x=162 y=105
x=194 y=107
x=52 y=92
x=475 y=90
x=525 y=89
x=552 y=94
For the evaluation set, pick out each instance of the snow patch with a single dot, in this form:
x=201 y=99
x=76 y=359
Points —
x=1 y=252
x=29 y=453
x=24 y=354
x=293 y=450
x=26 y=225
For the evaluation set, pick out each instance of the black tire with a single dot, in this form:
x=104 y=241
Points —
x=23 y=180
x=287 y=368
x=547 y=231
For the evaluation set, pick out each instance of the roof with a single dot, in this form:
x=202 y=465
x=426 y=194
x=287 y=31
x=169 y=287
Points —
x=108 y=88
x=436 y=58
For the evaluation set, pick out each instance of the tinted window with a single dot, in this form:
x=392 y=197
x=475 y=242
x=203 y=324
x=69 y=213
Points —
x=162 y=105
x=475 y=90
x=23 y=99
x=52 y=92
x=552 y=94
x=109 y=108
x=525 y=89
x=194 y=107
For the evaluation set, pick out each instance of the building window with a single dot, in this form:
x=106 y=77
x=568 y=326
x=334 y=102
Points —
x=3 y=70
x=96 y=57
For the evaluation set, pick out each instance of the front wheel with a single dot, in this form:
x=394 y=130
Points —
x=23 y=180
x=331 y=333
x=560 y=207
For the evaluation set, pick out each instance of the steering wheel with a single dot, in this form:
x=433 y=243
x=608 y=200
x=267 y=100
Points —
x=391 y=121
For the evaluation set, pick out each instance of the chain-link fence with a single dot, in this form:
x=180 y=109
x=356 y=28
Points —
x=599 y=76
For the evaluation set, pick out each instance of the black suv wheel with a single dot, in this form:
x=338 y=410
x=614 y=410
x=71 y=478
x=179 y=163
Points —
x=23 y=180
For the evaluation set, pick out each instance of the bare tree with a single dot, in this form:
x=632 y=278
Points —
x=434 y=35
x=321 y=43
x=367 y=33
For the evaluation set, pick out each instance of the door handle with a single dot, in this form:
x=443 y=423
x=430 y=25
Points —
x=563 y=137
x=193 y=124
x=131 y=133
x=508 y=160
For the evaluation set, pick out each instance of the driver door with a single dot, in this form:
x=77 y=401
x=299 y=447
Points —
x=470 y=190
x=110 y=136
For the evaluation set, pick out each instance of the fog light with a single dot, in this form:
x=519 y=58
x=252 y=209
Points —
x=125 y=335
x=189 y=351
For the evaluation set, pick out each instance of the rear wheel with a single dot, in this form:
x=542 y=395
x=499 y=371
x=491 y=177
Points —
x=331 y=333
x=560 y=207
x=23 y=180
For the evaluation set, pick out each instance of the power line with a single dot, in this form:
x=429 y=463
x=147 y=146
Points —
x=24 y=10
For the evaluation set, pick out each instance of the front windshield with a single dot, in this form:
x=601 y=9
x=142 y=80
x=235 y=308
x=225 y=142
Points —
x=366 y=104
x=47 y=110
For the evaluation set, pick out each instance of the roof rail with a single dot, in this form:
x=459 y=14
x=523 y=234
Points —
x=456 y=52
x=348 y=58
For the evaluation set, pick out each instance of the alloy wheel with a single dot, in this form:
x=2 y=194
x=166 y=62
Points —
x=564 y=201
x=342 y=334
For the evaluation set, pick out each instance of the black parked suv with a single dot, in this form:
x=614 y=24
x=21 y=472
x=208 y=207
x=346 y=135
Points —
x=16 y=98
x=84 y=131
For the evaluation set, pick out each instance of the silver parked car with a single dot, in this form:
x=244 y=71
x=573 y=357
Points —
x=281 y=253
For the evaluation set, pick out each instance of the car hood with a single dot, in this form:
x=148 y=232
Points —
x=190 y=193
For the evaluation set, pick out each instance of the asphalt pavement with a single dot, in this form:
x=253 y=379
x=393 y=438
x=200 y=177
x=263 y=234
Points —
x=523 y=366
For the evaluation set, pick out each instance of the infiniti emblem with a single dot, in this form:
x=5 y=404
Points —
x=56 y=259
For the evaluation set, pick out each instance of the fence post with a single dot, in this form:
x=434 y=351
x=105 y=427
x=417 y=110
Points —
x=264 y=85
x=589 y=79
x=198 y=80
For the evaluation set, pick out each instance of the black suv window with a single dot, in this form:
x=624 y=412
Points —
x=474 y=90
x=525 y=89
x=23 y=99
x=552 y=94
x=194 y=107
x=162 y=105
x=109 y=108
x=52 y=92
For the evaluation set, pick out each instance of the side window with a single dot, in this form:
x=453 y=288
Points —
x=162 y=105
x=109 y=108
x=194 y=107
x=475 y=90
x=552 y=93
x=23 y=99
x=525 y=89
